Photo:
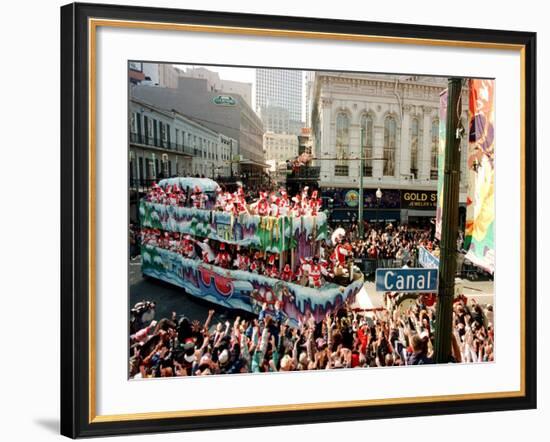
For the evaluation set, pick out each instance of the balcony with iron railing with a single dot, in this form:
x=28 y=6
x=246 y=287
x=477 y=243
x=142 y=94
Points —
x=305 y=173
x=157 y=143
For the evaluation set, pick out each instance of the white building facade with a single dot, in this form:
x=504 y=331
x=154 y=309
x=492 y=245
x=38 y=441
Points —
x=280 y=147
x=227 y=148
x=394 y=119
x=165 y=143
x=160 y=74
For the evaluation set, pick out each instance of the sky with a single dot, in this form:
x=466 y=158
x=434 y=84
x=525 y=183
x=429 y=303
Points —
x=245 y=75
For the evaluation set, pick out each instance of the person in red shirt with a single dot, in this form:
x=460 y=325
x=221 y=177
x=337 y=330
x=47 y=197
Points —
x=287 y=274
x=363 y=335
x=315 y=275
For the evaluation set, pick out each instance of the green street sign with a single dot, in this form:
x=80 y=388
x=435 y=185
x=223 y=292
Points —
x=224 y=100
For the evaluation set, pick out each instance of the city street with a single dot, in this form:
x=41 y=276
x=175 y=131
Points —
x=481 y=291
x=169 y=298
x=283 y=208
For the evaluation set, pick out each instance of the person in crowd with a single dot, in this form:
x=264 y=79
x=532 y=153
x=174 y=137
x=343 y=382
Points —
x=270 y=342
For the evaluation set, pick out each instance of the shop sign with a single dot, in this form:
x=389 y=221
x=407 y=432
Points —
x=418 y=199
x=352 y=198
x=224 y=100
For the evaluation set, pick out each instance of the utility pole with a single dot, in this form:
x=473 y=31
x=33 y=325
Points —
x=449 y=225
x=361 y=199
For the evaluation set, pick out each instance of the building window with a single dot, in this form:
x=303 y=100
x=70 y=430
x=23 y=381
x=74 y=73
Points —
x=155 y=133
x=340 y=170
x=141 y=173
x=414 y=147
x=342 y=144
x=435 y=149
x=146 y=128
x=390 y=129
x=367 y=128
x=163 y=137
x=133 y=123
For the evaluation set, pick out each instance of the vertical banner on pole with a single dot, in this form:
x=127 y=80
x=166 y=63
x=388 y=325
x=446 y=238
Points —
x=480 y=213
x=443 y=97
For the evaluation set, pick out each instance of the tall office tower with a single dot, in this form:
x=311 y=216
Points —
x=309 y=77
x=280 y=88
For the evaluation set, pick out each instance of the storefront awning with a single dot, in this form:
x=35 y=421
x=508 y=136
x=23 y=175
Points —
x=382 y=215
x=348 y=215
x=247 y=162
x=425 y=213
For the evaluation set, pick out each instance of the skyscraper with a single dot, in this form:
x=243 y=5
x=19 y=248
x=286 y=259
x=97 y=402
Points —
x=309 y=77
x=280 y=88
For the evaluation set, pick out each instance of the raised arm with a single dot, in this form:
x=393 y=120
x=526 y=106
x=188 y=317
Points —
x=310 y=347
x=208 y=319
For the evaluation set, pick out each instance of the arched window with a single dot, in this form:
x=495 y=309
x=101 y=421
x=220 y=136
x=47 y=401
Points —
x=342 y=145
x=414 y=147
x=390 y=129
x=435 y=150
x=367 y=128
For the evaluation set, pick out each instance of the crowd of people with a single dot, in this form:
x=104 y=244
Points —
x=274 y=203
x=346 y=338
x=393 y=243
x=270 y=342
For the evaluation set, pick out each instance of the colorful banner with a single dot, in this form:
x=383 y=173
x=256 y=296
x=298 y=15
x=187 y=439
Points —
x=480 y=204
x=237 y=289
x=441 y=161
x=266 y=233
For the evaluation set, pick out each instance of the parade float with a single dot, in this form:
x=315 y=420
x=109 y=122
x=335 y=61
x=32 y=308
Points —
x=185 y=255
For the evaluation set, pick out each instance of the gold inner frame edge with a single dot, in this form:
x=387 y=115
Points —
x=93 y=24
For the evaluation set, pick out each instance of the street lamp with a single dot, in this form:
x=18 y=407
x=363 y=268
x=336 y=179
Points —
x=378 y=198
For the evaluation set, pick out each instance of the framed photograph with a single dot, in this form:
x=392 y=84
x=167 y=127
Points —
x=274 y=220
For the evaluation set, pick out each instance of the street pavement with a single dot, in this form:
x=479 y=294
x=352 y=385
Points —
x=170 y=298
x=481 y=291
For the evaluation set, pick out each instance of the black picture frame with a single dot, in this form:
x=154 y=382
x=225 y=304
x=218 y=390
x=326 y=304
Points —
x=76 y=418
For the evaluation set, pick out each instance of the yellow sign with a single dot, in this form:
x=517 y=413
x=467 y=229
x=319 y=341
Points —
x=418 y=199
